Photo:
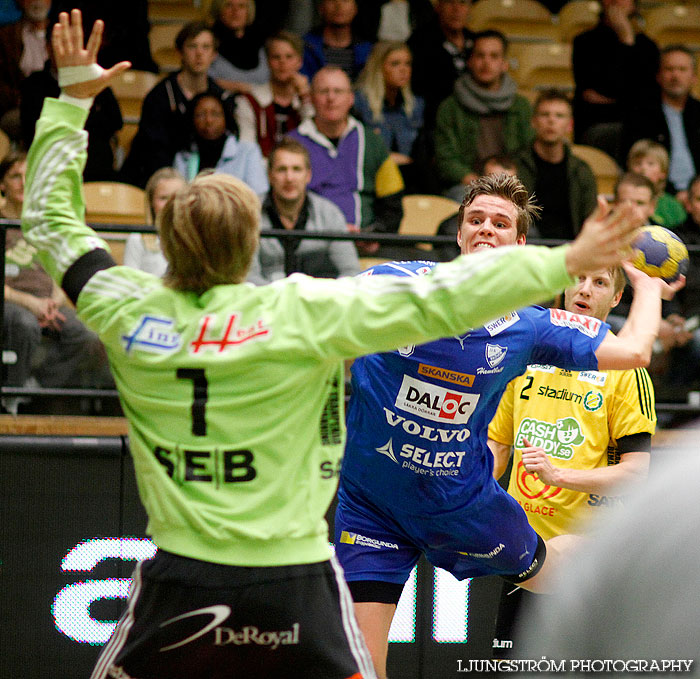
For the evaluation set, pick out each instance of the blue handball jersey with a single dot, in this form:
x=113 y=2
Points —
x=418 y=417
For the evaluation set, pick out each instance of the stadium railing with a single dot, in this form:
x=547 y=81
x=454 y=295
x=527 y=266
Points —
x=401 y=246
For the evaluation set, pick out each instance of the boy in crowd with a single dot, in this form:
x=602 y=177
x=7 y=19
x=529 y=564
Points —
x=651 y=159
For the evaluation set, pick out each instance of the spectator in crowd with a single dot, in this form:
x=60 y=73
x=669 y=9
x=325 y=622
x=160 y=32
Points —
x=443 y=45
x=164 y=126
x=677 y=357
x=241 y=58
x=385 y=103
x=335 y=43
x=214 y=147
x=564 y=185
x=22 y=52
x=126 y=30
x=266 y=113
x=350 y=165
x=392 y=20
x=485 y=115
x=614 y=67
x=288 y=205
x=639 y=191
x=671 y=118
x=498 y=164
x=104 y=121
x=302 y=17
x=142 y=250
x=35 y=309
x=278 y=14
x=651 y=159
x=9 y=12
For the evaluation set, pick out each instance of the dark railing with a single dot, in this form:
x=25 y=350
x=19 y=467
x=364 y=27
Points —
x=384 y=239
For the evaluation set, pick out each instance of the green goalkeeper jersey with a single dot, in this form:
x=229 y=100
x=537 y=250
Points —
x=235 y=397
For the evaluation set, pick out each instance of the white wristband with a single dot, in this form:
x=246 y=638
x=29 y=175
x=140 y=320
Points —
x=83 y=102
x=71 y=75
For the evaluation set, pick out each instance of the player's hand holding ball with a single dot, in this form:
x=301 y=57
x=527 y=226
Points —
x=660 y=253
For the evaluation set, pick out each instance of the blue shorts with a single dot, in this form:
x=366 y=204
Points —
x=376 y=543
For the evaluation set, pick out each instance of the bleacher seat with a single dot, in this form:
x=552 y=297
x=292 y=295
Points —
x=674 y=23
x=518 y=19
x=541 y=66
x=5 y=145
x=114 y=203
x=423 y=213
x=577 y=16
x=604 y=167
x=130 y=88
x=173 y=11
x=162 y=41
x=367 y=262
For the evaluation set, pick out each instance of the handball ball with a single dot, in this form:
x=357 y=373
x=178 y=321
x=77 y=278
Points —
x=658 y=252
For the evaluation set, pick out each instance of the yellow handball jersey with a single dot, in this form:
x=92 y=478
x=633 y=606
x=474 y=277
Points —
x=576 y=417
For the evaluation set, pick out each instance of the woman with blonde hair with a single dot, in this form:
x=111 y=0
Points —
x=142 y=250
x=385 y=102
x=241 y=60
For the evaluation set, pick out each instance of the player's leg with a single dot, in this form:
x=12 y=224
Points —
x=374 y=620
x=377 y=557
x=375 y=605
x=558 y=551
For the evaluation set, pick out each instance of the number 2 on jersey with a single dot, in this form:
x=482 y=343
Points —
x=528 y=385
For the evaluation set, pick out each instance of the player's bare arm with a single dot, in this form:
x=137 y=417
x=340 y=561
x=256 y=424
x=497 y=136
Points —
x=632 y=347
x=633 y=467
x=501 y=455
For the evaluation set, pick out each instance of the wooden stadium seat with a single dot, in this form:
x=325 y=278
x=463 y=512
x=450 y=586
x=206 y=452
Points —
x=577 y=16
x=367 y=262
x=517 y=19
x=62 y=425
x=671 y=24
x=162 y=41
x=604 y=167
x=173 y=11
x=423 y=213
x=696 y=87
x=130 y=88
x=542 y=66
x=529 y=94
x=125 y=137
x=5 y=145
x=114 y=203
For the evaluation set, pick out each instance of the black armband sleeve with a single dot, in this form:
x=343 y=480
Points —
x=83 y=269
x=634 y=443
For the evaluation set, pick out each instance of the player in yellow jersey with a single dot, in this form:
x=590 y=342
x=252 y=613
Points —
x=577 y=438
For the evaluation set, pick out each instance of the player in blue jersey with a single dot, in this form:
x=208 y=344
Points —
x=417 y=473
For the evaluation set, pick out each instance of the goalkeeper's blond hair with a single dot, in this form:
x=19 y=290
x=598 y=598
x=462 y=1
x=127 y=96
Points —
x=209 y=233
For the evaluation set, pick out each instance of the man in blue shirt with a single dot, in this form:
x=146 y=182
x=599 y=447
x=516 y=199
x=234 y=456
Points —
x=417 y=473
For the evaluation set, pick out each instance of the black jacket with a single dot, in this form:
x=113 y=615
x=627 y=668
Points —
x=164 y=129
x=648 y=122
x=434 y=73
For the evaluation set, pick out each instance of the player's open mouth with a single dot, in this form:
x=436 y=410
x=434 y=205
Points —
x=483 y=245
x=581 y=306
